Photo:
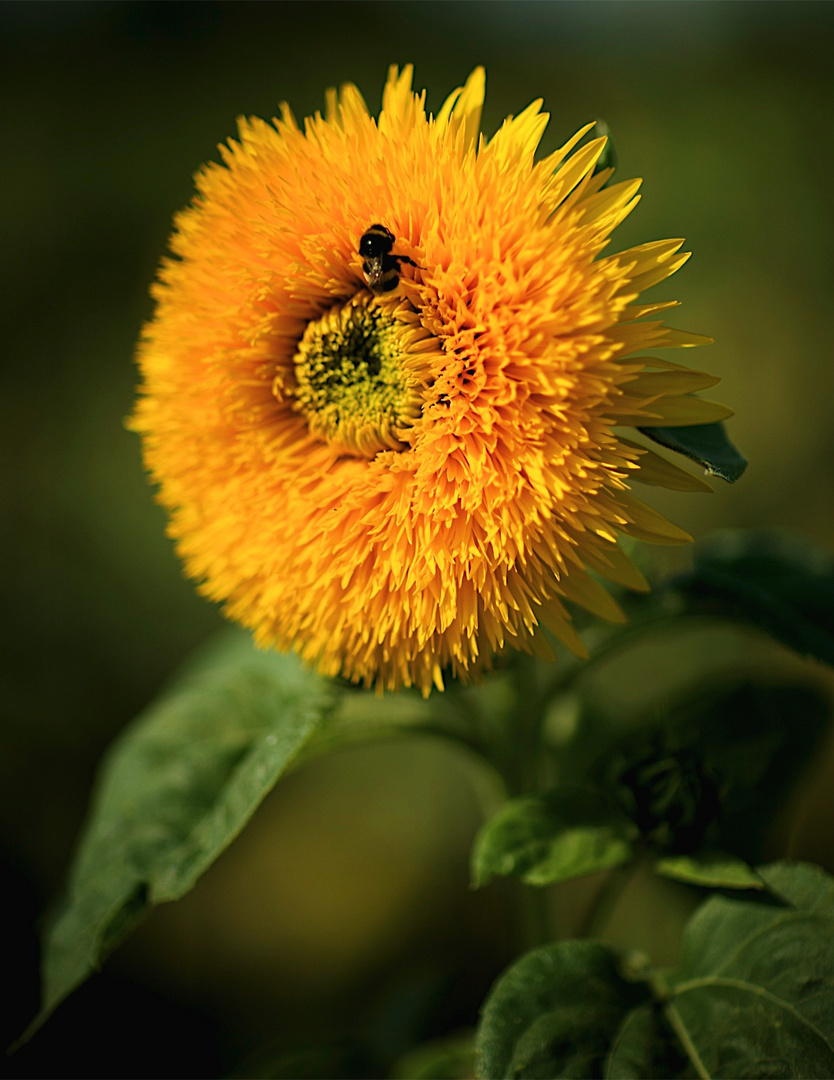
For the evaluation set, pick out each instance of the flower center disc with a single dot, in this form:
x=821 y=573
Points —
x=354 y=384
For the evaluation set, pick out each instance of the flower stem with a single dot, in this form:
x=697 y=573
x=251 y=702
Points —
x=534 y=916
x=663 y=996
x=602 y=906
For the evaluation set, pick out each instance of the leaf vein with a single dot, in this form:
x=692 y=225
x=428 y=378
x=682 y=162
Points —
x=759 y=991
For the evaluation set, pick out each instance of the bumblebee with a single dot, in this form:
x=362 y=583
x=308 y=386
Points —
x=381 y=268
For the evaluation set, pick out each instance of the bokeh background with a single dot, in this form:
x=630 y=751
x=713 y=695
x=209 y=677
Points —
x=344 y=907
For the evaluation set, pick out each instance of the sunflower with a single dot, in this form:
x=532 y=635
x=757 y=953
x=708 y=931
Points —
x=411 y=477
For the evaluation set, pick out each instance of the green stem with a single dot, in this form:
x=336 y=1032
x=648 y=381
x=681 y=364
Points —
x=621 y=639
x=534 y=916
x=521 y=765
x=664 y=997
x=606 y=898
x=523 y=749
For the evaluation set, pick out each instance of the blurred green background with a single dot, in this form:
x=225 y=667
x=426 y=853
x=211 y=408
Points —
x=344 y=906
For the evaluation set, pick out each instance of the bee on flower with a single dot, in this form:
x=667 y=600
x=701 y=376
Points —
x=400 y=472
x=381 y=268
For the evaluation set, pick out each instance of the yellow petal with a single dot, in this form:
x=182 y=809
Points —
x=669 y=383
x=465 y=104
x=554 y=617
x=646 y=524
x=566 y=179
x=584 y=590
x=655 y=469
x=612 y=562
x=682 y=412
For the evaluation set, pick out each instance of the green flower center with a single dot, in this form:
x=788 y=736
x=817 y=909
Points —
x=354 y=384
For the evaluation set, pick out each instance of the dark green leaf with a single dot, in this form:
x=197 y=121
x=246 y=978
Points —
x=770 y=579
x=710 y=869
x=555 y=1013
x=645 y=1048
x=753 y=997
x=708 y=444
x=757 y=739
x=716 y=770
x=441 y=1059
x=561 y=834
x=754 y=993
x=670 y=792
x=175 y=789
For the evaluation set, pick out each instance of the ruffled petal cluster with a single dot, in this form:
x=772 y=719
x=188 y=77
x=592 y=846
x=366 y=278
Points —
x=521 y=349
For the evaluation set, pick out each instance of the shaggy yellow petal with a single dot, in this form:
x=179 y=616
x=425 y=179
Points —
x=403 y=461
x=683 y=411
x=656 y=470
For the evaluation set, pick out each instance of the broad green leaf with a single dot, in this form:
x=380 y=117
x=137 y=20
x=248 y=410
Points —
x=708 y=444
x=754 y=993
x=710 y=869
x=441 y=1059
x=555 y=1013
x=753 y=997
x=770 y=579
x=174 y=790
x=561 y=834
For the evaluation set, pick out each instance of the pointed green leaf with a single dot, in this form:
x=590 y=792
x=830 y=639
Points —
x=555 y=1013
x=561 y=834
x=710 y=869
x=174 y=790
x=708 y=444
x=754 y=993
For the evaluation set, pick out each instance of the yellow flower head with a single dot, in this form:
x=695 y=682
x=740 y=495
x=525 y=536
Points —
x=407 y=459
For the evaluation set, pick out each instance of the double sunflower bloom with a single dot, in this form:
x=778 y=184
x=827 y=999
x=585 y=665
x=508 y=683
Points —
x=403 y=483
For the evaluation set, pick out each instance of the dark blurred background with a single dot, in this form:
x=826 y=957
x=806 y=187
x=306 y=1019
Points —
x=344 y=906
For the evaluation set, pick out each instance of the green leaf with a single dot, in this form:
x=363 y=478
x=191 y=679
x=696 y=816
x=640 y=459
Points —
x=715 y=772
x=710 y=869
x=644 y=1047
x=756 y=739
x=754 y=993
x=441 y=1059
x=175 y=789
x=555 y=1013
x=561 y=834
x=770 y=579
x=708 y=444
x=753 y=997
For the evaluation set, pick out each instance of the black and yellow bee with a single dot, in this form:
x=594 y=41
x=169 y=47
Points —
x=381 y=268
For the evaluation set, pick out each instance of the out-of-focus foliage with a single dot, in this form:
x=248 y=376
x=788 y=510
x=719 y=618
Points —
x=108 y=108
x=753 y=996
x=769 y=580
x=175 y=790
